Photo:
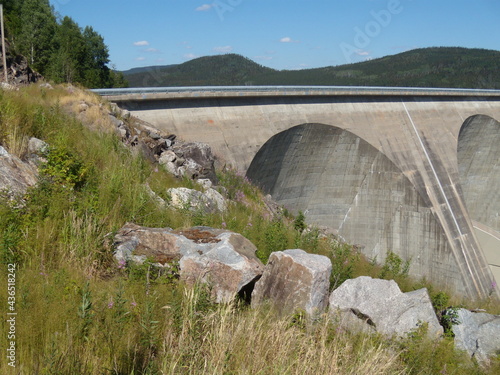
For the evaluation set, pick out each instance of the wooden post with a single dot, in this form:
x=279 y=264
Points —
x=3 y=45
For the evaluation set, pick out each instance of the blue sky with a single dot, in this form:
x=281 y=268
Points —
x=282 y=34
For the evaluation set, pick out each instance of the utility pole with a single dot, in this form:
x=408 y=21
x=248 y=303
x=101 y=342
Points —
x=3 y=45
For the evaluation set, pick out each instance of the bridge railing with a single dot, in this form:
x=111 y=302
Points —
x=299 y=90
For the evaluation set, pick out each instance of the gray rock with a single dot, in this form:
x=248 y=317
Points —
x=224 y=259
x=117 y=123
x=125 y=114
x=161 y=245
x=205 y=183
x=194 y=200
x=166 y=157
x=15 y=175
x=374 y=304
x=37 y=150
x=228 y=267
x=82 y=107
x=200 y=161
x=171 y=168
x=478 y=334
x=294 y=279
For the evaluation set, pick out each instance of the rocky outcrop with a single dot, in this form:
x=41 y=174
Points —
x=18 y=71
x=294 y=279
x=223 y=259
x=15 y=175
x=379 y=305
x=191 y=160
x=478 y=334
x=209 y=200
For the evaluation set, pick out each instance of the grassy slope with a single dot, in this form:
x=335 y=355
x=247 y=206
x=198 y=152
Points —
x=81 y=313
x=428 y=67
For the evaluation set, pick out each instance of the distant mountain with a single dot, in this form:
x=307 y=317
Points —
x=145 y=69
x=221 y=70
x=427 y=67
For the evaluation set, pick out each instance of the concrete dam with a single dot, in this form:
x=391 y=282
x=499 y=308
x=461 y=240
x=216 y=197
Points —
x=413 y=171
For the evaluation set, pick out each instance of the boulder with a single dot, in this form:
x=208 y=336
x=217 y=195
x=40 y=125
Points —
x=294 y=279
x=379 y=305
x=15 y=175
x=37 y=146
x=224 y=259
x=478 y=334
x=229 y=267
x=208 y=201
x=116 y=122
x=161 y=245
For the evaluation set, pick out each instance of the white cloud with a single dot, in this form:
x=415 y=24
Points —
x=152 y=50
x=190 y=56
x=223 y=49
x=140 y=58
x=141 y=43
x=287 y=39
x=204 y=7
x=361 y=52
x=263 y=57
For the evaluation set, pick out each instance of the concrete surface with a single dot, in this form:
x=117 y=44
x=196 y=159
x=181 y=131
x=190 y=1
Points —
x=418 y=135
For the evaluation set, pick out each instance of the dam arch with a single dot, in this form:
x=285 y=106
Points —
x=478 y=155
x=344 y=183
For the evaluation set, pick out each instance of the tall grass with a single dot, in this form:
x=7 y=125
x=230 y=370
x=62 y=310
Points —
x=80 y=313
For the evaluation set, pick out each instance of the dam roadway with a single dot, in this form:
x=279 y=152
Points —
x=409 y=170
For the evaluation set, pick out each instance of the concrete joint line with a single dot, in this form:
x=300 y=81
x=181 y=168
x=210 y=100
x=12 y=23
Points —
x=461 y=239
x=433 y=169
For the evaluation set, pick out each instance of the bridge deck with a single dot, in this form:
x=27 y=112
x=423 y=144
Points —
x=159 y=93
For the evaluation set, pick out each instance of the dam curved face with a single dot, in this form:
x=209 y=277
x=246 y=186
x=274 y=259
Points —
x=479 y=168
x=341 y=181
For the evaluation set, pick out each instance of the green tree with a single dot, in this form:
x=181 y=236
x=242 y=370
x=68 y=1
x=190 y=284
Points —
x=69 y=61
x=97 y=73
x=37 y=27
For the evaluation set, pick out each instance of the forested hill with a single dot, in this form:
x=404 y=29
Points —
x=221 y=70
x=427 y=67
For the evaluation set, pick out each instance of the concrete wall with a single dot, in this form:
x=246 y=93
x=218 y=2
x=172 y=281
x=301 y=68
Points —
x=479 y=167
x=343 y=182
x=419 y=135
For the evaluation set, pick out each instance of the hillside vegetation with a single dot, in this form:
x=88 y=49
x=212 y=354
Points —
x=427 y=67
x=80 y=312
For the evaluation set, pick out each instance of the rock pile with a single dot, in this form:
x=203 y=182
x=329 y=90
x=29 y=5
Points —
x=18 y=71
x=292 y=279
x=193 y=160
